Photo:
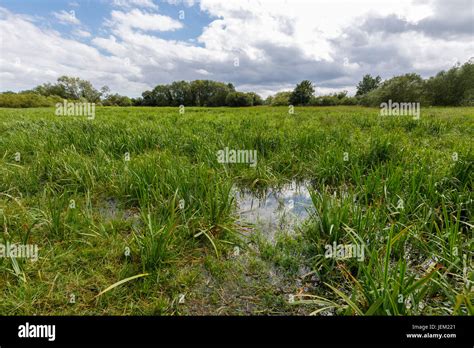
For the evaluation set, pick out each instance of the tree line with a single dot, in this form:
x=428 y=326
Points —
x=454 y=87
x=197 y=93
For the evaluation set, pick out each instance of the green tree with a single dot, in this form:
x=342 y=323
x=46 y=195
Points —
x=218 y=92
x=281 y=98
x=238 y=99
x=302 y=93
x=147 y=99
x=48 y=89
x=368 y=84
x=256 y=99
x=88 y=92
x=104 y=91
x=70 y=88
x=452 y=87
x=117 y=100
x=180 y=93
x=161 y=96
x=408 y=88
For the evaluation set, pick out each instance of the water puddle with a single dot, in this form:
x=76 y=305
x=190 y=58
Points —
x=275 y=209
x=110 y=210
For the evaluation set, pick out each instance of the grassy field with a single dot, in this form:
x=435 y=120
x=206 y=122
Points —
x=138 y=192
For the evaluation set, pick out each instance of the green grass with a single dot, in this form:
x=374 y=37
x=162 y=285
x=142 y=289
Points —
x=388 y=184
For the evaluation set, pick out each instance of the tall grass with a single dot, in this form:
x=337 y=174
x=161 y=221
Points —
x=390 y=185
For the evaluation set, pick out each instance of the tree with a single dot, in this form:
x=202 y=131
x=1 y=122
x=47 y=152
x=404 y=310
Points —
x=302 y=93
x=339 y=98
x=256 y=99
x=194 y=93
x=70 y=88
x=105 y=91
x=218 y=93
x=452 y=87
x=117 y=100
x=47 y=89
x=137 y=101
x=147 y=99
x=367 y=84
x=210 y=93
x=88 y=92
x=408 y=88
x=238 y=99
x=161 y=96
x=281 y=98
x=180 y=94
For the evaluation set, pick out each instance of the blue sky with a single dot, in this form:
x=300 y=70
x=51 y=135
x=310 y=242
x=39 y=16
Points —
x=92 y=13
x=261 y=45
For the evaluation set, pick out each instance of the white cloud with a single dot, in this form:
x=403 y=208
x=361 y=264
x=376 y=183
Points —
x=277 y=43
x=135 y=3
x=36 y=55
x=81 y=33
x=203 y=72
x=137 y=19
x=187 y=3
x=65 y=17
x=305 y=25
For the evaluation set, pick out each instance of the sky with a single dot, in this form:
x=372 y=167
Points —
x=264 y=46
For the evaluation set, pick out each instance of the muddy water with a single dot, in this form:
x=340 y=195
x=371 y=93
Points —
x=276 y=209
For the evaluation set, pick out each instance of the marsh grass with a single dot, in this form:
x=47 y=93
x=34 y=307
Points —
x=390 y=185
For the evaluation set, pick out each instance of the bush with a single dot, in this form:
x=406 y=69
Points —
x=238 y=99
x=117 y=100
x=256 y=99
x=452 y=87
x=281 y=98
x=27 y=100
x=340 y=98
x=401 y=89
x=68 y=87
x=302 y=93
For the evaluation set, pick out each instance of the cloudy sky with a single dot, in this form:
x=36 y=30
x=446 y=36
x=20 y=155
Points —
x=264 y=46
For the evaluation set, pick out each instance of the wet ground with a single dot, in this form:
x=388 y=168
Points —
x=275 y=209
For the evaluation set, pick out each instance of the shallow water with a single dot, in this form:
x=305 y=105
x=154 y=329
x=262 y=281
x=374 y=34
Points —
x=276 y=209
x=110 y=210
